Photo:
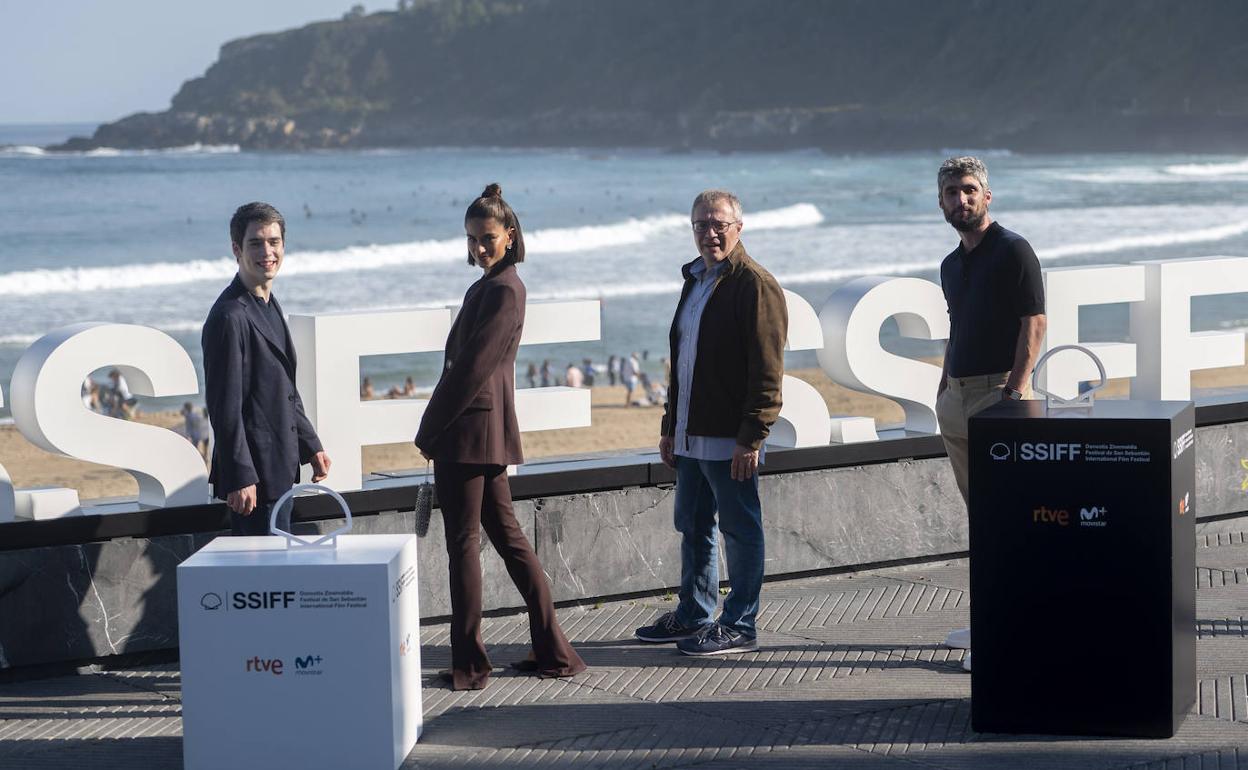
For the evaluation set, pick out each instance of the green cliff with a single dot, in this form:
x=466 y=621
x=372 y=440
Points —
x=845 y=75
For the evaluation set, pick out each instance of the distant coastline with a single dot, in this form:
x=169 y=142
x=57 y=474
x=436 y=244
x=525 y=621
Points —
x=172 y=132
x=1064 y=76
x=42 y=135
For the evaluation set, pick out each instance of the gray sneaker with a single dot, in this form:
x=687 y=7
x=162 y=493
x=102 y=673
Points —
x=718 y=640
x=666 y=629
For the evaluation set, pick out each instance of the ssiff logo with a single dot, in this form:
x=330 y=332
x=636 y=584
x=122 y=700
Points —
x=1184 y=442
x=210 y=601
x=1048 y=452
x=266 y=600
x=406 y=579
x=1185 y=504
x=1036 y=451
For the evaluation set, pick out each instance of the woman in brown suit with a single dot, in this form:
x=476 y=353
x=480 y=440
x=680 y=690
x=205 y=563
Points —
x=470 y=432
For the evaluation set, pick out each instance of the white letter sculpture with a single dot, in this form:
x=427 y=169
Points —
x=852 y=354
x=8 y=501
x=37 y=503
x=1067 y=289
x=48 y=409
x=329 y=347
x=1162 y=325
x=803 y=419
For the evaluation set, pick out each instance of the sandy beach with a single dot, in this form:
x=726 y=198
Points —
x=615 y=428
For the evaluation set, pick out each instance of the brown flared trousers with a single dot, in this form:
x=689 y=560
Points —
x=472 y=497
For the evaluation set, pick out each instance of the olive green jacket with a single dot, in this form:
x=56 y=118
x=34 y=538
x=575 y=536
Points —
x=740 y=363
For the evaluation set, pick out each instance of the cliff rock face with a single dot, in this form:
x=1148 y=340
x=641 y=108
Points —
x=840 y=74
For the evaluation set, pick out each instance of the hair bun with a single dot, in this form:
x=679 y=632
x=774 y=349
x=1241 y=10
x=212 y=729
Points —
x=492 y=190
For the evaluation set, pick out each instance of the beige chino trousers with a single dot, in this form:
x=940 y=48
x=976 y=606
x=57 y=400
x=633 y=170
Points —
x=963 y=397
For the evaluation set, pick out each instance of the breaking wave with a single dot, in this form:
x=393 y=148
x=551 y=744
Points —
x=559 y=240
x=30 y=151
x=1209 y=169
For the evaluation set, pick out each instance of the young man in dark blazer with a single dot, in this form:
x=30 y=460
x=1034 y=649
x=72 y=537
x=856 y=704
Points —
x=262 y=433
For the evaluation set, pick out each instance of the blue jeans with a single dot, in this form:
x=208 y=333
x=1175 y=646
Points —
x=704 y=487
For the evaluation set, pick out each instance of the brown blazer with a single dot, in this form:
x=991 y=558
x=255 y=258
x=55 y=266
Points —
x=471 y=416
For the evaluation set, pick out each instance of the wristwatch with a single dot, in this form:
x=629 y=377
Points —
x=1011 y=394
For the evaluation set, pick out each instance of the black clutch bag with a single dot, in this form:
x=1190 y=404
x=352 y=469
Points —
x=424 y=504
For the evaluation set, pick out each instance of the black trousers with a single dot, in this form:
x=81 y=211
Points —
x=257 y=522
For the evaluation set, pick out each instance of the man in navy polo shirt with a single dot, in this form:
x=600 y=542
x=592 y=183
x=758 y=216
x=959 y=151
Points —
x=995 y=293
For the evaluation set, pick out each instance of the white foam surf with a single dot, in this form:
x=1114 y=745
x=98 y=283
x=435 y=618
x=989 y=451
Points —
x=999 y=152
x=22 y=151
x=1173 y=174
x=1127 y=243
x=1126 y=175
x=198 y=148
x=1209 y=169
x=29 y=151
x=560 y=240
x=18 y=340
x=171 y=327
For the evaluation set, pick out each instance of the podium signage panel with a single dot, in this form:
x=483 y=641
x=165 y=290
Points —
x=1083 y=595
x=300 y=657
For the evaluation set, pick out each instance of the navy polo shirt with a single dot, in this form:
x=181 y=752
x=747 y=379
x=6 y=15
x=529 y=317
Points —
x=988 y=291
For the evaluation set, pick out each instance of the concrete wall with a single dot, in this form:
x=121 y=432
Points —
x=83 y=601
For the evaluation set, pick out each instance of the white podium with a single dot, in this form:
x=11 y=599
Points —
x=300 y=656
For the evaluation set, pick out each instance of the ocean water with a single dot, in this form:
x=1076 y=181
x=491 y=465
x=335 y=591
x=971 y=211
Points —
x=142 y=237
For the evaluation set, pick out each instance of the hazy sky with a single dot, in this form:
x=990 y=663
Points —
x=98 y=60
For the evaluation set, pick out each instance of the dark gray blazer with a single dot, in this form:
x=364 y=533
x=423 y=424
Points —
x=261 y=431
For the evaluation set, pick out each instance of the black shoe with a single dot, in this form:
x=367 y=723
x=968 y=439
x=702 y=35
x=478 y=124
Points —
x=666 y=629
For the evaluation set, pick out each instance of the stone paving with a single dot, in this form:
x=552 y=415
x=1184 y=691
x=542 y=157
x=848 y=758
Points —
x=850 y=674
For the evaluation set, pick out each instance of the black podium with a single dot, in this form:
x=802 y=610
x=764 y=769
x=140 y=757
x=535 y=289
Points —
x=1083 y=593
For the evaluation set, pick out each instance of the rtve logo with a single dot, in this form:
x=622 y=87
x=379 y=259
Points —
x=1045 y=515
x=260 y=665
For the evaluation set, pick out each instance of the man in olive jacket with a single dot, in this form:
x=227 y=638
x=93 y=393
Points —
x=727 y=341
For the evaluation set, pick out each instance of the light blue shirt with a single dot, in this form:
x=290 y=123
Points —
x=688 y=327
